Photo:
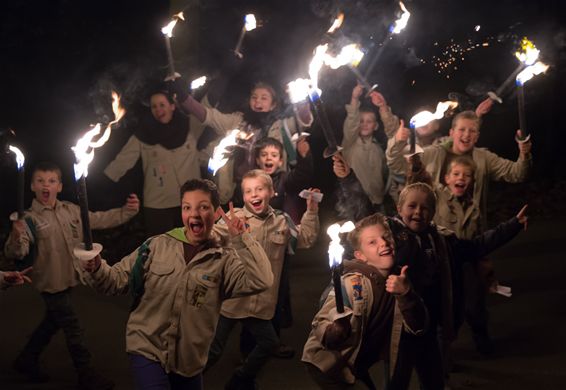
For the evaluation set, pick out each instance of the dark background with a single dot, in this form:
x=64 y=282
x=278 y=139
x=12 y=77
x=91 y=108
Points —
x=61 y=58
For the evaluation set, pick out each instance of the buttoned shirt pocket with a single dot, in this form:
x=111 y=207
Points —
x=160 y=278
x=205 y=286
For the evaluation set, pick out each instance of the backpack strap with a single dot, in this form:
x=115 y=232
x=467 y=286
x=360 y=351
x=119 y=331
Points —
x=136 y=281
x=289 y=148
x=292 y=244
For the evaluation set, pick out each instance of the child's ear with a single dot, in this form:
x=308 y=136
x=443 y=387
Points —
x=360 y=256
x=60 y=187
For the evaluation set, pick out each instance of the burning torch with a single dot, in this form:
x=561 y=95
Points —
x=522 y=78
x=167 y=32
x=20 y=163
x=250 y=24
x=222 y=151
x=84 y=154
x=335 y=253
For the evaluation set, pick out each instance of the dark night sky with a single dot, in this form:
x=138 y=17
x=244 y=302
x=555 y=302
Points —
x=60 y=57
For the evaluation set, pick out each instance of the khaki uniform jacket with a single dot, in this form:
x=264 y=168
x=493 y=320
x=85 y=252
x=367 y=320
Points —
x=58 y=231
x=164 y=170
x=489 y=167
x=341 y=362
x=365 y=156
x=273 y=234
x=175 y=320
x=224 y=123
x=450 y=214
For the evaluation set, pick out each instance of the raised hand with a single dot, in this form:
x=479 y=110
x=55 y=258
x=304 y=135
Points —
x=303 y=147
x=357 y=92
x=312 y=205
x=340 y=166
x=18 y=228
x=402 y=134
x=398 y=284
x=484 y=107
x=377 y=99
x=524 y=144
x=236 y=226
x=522 y=217
x=92 y=265
x=133 y=202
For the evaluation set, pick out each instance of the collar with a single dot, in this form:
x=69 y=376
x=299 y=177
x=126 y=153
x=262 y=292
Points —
x=248 y=214
x=36 y=205
x=179 y=235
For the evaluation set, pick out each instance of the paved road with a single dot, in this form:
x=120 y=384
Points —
x=528 y=328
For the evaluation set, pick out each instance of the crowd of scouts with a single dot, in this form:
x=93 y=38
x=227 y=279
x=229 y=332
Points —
x=411 y=277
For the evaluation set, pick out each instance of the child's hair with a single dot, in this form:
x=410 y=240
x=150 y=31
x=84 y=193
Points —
x=464 y=161
x=368 y=110
x=422 y=187
x=258 y=173
x=370 y=220
x=471 y=115
x=264 y=85
x=162 y=92
x=264 y=143
x=47 y=166
x=203 y=185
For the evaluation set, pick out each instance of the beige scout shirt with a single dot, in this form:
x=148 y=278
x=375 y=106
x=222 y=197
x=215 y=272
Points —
x=489 y=167
x=58 y=231
x=365 y=156
x=450 y=213
x=273 y=234
x=164 y=170
x=175 y=320
x=343 y=361
x=223 y=123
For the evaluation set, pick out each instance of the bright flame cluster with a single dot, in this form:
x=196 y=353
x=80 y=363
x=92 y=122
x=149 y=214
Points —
x=20 y=159
x=337 y=23
x=530 y=71
x=250 y=22
x=423 y=118
x=168 y=29
x=335 y=250
x=400 y=23
x=220 y=154
x=84 y=149
x=528 y=53
x=197 y=83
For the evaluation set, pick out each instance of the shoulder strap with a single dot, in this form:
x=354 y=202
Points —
x=289 y=148
x=136 y=281
x=292 y=245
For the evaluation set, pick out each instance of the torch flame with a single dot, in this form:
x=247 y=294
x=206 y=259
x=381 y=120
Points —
x=197 y=83
x=298 y=90
x=168 y=29
x=528 y=53
x=220 y=154
x=20 y=159
x=530 y=71
x=425 y=117
x=84 y=149
x=401 y=23
x=337 y=23
x=335 y=250
x=250 y=22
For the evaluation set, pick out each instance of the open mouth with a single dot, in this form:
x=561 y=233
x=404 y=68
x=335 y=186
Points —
x=257 y=204
x=196 y=227
x=45 y=194
x=460 y=186
x=386 y=252
x=268 y=165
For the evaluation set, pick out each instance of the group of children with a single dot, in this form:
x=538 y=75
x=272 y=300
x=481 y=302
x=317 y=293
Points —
x=403 y=289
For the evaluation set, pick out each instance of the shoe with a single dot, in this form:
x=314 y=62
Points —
x=484 y=344
x=90 y=379
x=29 y=367
x=284 y=352
x=241 y=382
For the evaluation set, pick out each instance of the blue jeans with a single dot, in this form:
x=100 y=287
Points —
x=265 y=337
x=149 y=375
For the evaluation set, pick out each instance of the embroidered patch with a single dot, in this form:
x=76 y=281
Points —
x=199 y=294
x=357 y=287
x=209 y=278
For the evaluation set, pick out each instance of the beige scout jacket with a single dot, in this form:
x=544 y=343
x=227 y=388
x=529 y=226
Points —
x=489 y=167
x=58 y=231
x=342 y=362
x=273 y=234
x=175 y=320
x=451 y=215
x=365 y=156
x=223 y=123
x=164 y=170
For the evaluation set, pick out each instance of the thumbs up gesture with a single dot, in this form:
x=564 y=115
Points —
x=398 y=284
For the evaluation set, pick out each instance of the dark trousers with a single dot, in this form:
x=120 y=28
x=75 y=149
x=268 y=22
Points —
x=149 y=375
x=475 y=299
x=159 y=221
x=59 y=314
x=263 y=333
x=423 y=354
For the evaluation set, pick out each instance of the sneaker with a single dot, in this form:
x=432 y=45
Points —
x=241 y=382
x=29 y=368
x=284 y=352
x=90 y=379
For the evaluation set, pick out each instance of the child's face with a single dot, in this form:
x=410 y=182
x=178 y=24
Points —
x=257 y=195
x=459 y=179
x=46 y=185
x=416 y=212
x=368 y=124
x=261 y=100
x=269 y=159
x=376 y=247
x=197 y=213
x=465 y=134
x=161 y=109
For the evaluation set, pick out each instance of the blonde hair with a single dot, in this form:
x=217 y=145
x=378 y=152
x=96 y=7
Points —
x=258 y=173
x=464 y=161
x=370 y=220
x=422 y=187
x=471 y=115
